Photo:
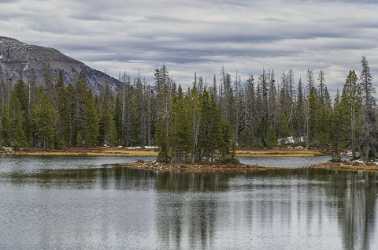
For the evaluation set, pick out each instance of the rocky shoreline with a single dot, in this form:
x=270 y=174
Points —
x=242 y=168
x=196 y=168
x=350 y=166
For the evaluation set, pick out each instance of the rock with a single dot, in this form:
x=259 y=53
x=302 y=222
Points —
x=6 y=150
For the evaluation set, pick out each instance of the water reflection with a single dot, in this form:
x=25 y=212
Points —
x=116 y=177
x=285 y=209
x=187 y=221
x=357 y=203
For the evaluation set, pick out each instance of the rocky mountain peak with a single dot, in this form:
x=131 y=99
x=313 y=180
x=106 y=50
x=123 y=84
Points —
x=21 y=61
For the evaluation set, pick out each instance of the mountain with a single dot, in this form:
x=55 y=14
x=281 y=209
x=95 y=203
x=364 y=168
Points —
x=21 y=61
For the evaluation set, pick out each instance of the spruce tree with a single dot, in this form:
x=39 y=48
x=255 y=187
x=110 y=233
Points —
x=20 y=92
x=17 y=137
x=300 y=116
x=351 y=120
x=63 y=110
x=107 y=129
x=85 y=117
x=181 y=127
x=43 y=119
x=337 y=131
x=368 y=136
x=164 y=102
x=323 y=113
x=6 y=126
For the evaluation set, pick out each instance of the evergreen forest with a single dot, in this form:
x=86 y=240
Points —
x=202 y=122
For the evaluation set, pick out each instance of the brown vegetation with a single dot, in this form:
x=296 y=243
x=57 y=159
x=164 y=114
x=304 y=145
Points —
x=278 y=152
x=347 y=166
x=115 y=151
x=97 y=151
x=196 y=168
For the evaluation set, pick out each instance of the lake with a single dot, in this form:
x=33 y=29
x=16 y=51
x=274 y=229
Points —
x=85 y=203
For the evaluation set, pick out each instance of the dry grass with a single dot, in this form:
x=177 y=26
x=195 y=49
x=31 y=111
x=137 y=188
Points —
x=241 y=168
x=87 y=152
x=278 y=153
x=347 y=166
x=197 y=168
x=113 y=151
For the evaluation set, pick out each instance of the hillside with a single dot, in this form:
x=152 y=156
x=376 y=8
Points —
x=19 y=60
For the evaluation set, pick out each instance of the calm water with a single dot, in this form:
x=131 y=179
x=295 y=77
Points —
x=79 y=204
x=286 y=162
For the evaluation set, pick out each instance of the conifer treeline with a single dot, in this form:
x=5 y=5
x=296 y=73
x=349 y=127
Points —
x=203 y=121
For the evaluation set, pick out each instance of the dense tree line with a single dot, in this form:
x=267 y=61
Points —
x=202 y=122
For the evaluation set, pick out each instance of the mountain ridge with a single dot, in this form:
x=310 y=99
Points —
x=27 y=62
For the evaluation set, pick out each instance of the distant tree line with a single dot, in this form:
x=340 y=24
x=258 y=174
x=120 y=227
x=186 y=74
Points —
x=203 y=122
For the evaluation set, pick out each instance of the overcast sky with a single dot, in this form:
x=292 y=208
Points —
x=194 y=36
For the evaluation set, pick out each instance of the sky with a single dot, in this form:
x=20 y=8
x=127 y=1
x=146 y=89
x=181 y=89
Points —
x=242 y=36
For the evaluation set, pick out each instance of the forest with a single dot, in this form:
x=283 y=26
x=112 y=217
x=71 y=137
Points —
x=202 y=122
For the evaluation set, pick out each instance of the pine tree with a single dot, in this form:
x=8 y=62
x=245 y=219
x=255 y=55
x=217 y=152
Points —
x=311 y=111
x=214 y=134
x=181 y=140
x=195 y=114
x=300 y=116
x=368 y=136
x=6 y=126
x=107 y=127
x=164 y=102
x=351 y=120
x=337 y=132
x=91 y=130
x=323 y=112
x=71 y=111
x=17 y=137
x=284 y=109
x=63 y=110
x=43 y=119
x=264 y=127
x=273 y=112
x=20 y=92
x=85 y=117
x=249 y=132
x=118 y=119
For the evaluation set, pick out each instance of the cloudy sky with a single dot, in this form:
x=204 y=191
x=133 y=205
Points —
x=202 y=36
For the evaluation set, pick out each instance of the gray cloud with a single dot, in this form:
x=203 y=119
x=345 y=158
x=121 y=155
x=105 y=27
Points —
x=202 y=36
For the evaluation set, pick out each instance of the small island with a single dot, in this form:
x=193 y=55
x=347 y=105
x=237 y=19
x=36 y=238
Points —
x=238 y=168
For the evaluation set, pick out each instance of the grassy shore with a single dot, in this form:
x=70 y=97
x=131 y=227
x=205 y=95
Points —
x=98 y=151
x=115 y=151
x=278 y=152
x=150 y=165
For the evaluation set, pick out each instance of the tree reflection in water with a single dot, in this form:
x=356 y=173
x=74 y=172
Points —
x=357 y=213
x=214 y=210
